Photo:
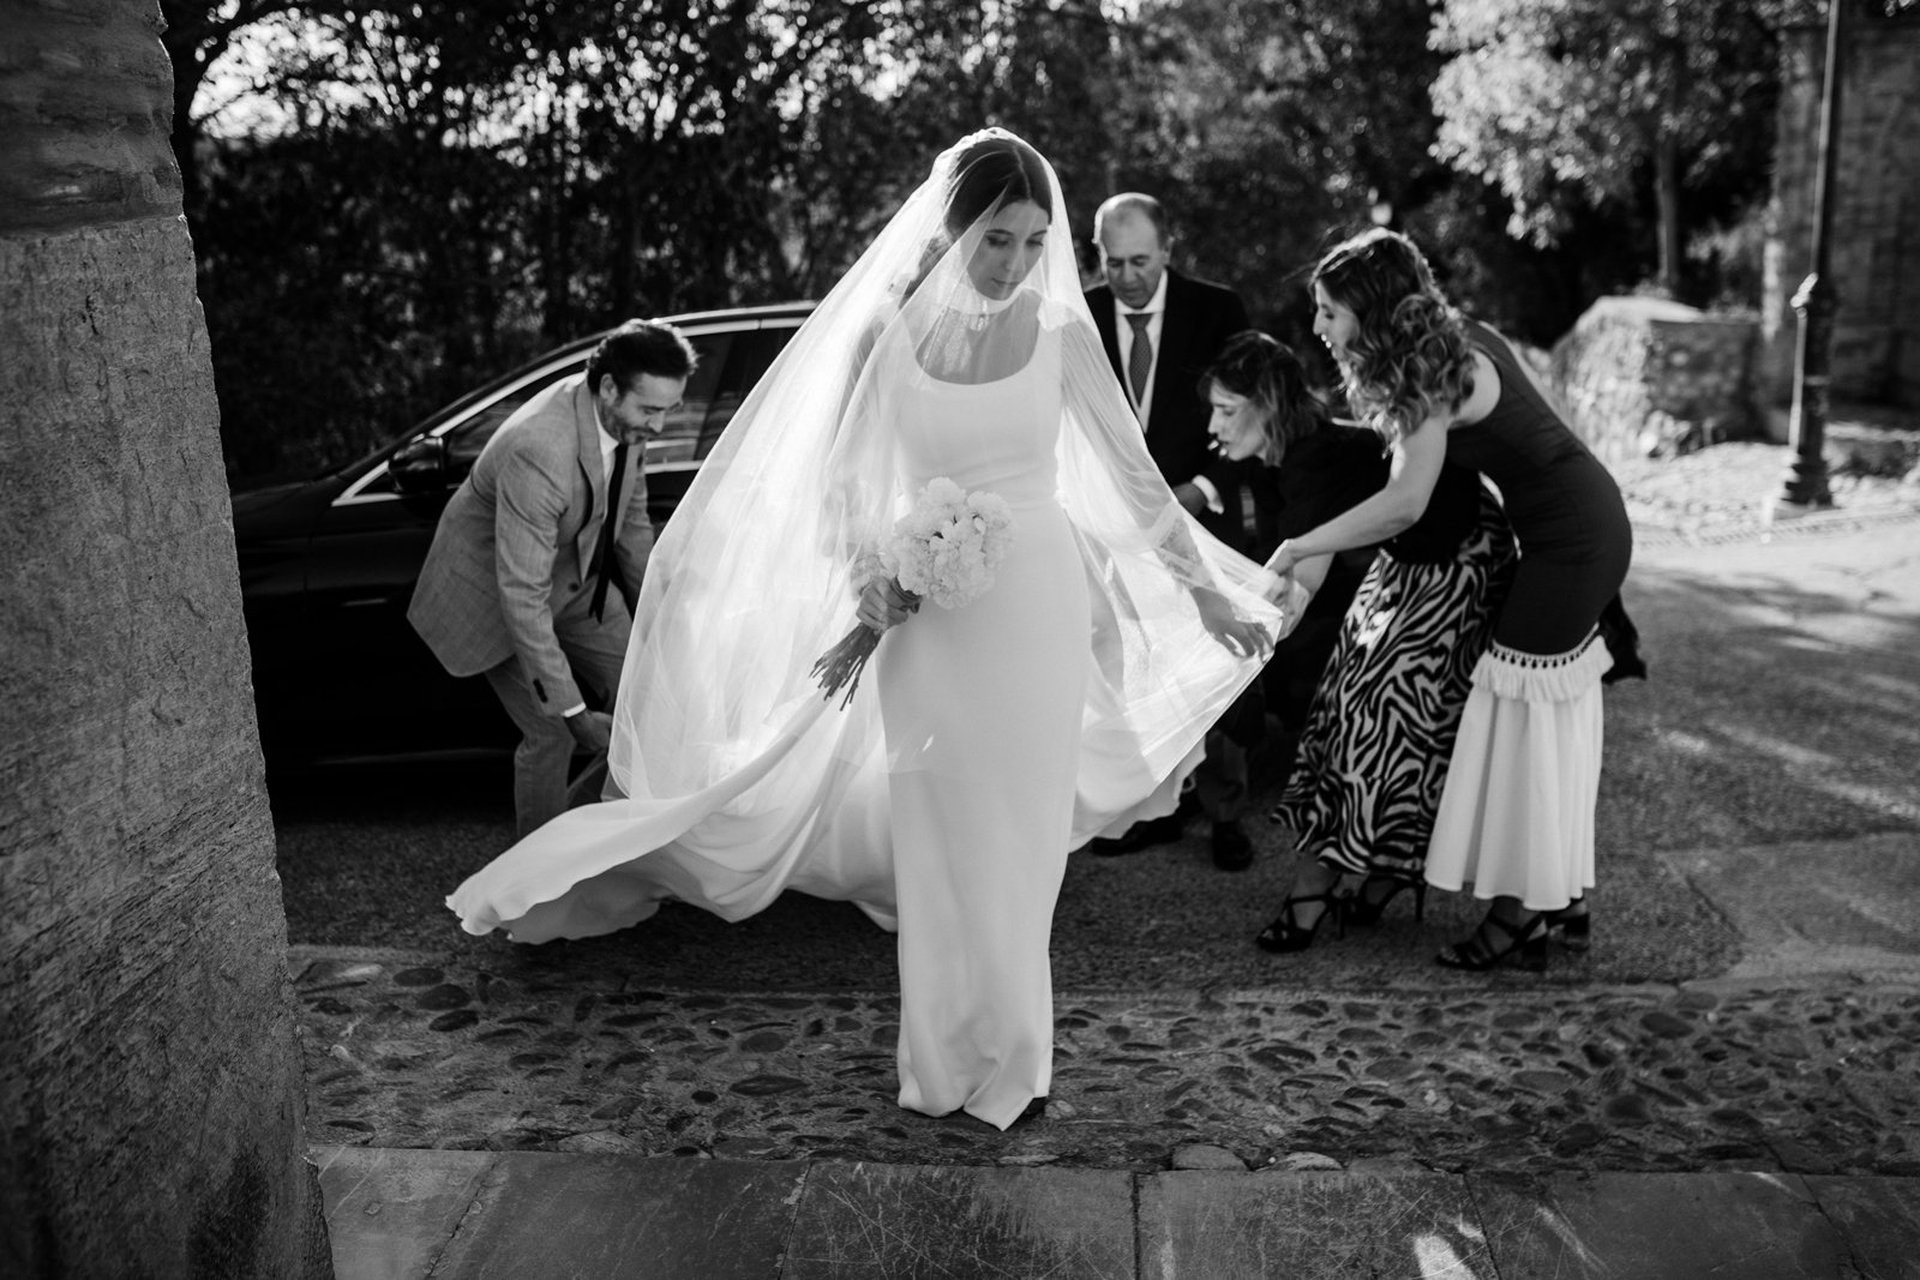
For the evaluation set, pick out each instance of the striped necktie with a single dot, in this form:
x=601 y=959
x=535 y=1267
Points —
x=1140 y=358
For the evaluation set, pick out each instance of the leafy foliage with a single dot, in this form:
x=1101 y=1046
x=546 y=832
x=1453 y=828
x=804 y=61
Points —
x=427 y=192
x=1564 y=103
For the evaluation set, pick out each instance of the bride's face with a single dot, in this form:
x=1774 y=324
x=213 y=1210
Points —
x=1009 y=247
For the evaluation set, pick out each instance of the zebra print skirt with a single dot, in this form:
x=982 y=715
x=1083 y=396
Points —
x=1373 y=755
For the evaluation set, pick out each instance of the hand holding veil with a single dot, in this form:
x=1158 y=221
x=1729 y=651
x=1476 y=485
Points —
x=724 y=747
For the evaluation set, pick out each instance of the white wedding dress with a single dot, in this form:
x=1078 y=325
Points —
x=982 y=706
x=984 y=742
x=958 y=837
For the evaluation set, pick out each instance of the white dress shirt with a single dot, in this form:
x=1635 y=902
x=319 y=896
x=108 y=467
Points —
x=607 y=445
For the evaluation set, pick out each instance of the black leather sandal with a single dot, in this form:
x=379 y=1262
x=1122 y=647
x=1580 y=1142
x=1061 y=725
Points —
x=1366 y=908
x=1571 y=926
x=1526 y=943
x=1285 y=935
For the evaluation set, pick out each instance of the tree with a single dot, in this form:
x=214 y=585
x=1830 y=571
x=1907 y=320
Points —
x=1271 y=126
x=452 y=186
x=150 y=1082
x=197 y=34
x=1560 y=102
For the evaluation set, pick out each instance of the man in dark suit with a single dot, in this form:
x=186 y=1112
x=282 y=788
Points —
x=1162 y=329
x=540 y=551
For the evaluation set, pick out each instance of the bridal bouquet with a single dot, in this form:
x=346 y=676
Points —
x=944 y=550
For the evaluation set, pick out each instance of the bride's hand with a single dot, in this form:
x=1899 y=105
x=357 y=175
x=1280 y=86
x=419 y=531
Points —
x=883 y=604
x=1229 y=628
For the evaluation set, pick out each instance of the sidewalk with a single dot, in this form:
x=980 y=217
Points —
x=520 y=1215
x=1730 y=1086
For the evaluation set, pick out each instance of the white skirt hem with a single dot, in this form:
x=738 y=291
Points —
x=1516 y=817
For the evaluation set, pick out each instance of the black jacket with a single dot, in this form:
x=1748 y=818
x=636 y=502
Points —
x=1199 y=319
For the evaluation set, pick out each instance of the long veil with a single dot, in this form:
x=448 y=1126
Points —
x=726 y=755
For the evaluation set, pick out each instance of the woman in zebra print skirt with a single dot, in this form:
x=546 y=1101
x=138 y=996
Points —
x=1373 y=756
x=1373 y=752
x=1516 y=816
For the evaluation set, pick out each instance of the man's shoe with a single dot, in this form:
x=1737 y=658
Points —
x=1232 y=850
x=1141 y=835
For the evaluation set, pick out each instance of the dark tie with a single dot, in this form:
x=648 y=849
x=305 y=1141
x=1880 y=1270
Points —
x=1140 y=358
x=603 y=554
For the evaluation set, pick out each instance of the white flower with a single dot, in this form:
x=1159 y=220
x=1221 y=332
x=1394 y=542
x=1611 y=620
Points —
x=946 y=548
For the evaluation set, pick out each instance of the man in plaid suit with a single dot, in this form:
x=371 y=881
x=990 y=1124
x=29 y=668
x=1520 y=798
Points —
x=516 y=586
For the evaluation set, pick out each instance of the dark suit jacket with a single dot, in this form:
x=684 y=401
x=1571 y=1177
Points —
x=1200 y=317
x=510 y=559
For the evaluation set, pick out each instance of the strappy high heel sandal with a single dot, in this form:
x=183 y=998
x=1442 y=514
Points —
x=1524 y=943
x=1284 y=935
x=1571 y=926
x=1366 y=909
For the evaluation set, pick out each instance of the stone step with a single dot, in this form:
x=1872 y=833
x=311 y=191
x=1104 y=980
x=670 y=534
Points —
x=528 y=1215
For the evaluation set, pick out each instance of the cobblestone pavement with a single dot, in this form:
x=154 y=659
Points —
x=1516 y=1076
x=470 y=1048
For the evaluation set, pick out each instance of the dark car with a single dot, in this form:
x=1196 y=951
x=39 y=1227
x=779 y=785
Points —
x=327 y=566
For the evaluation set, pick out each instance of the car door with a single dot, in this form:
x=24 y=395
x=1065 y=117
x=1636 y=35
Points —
x=380 y=691
x=377 y=690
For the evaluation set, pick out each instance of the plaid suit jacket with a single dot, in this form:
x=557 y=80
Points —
x=508 y=569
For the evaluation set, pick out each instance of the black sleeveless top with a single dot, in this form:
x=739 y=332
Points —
x=1337 y=467
x=1560 y=499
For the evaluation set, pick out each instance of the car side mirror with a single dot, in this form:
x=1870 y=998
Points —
x=420 y=466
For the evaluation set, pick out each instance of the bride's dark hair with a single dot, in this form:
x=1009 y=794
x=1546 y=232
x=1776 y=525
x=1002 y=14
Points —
x=996 y=170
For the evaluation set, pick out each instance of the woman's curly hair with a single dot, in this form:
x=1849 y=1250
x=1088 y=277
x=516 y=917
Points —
x=1270 y=376
x=1409 y=357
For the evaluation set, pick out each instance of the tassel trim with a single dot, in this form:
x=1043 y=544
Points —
x=1535 y=677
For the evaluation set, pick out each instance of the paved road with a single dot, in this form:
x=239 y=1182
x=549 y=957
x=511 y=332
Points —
x=1753 y=1001
x=1774 y=744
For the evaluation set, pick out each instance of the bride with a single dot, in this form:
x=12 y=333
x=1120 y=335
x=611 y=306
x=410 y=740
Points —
x=987 y=740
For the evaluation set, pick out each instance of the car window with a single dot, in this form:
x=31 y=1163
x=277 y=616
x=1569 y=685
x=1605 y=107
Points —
x=731 y=361
x=752 y=353
x=680 y=439
x=465 y=441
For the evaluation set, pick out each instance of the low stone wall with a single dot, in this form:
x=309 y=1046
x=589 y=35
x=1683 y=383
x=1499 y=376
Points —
x=1645 y=377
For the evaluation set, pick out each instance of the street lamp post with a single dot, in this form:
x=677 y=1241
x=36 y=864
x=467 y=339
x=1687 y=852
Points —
x=1816 y=302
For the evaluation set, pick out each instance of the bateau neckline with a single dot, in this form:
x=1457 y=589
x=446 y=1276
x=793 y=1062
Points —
x=972 y=302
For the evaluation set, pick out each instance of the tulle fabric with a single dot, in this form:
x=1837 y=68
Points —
x=1516 y=816
x=735 y=778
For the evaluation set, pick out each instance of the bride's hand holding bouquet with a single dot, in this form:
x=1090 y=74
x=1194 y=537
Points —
x=944 y=550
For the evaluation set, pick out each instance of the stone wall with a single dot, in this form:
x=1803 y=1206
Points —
x=1644 y=377
x=1874 y=245
x=149 y=1083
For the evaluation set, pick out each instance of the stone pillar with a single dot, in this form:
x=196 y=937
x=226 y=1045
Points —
x=1874 y=247
x=149 y=1078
